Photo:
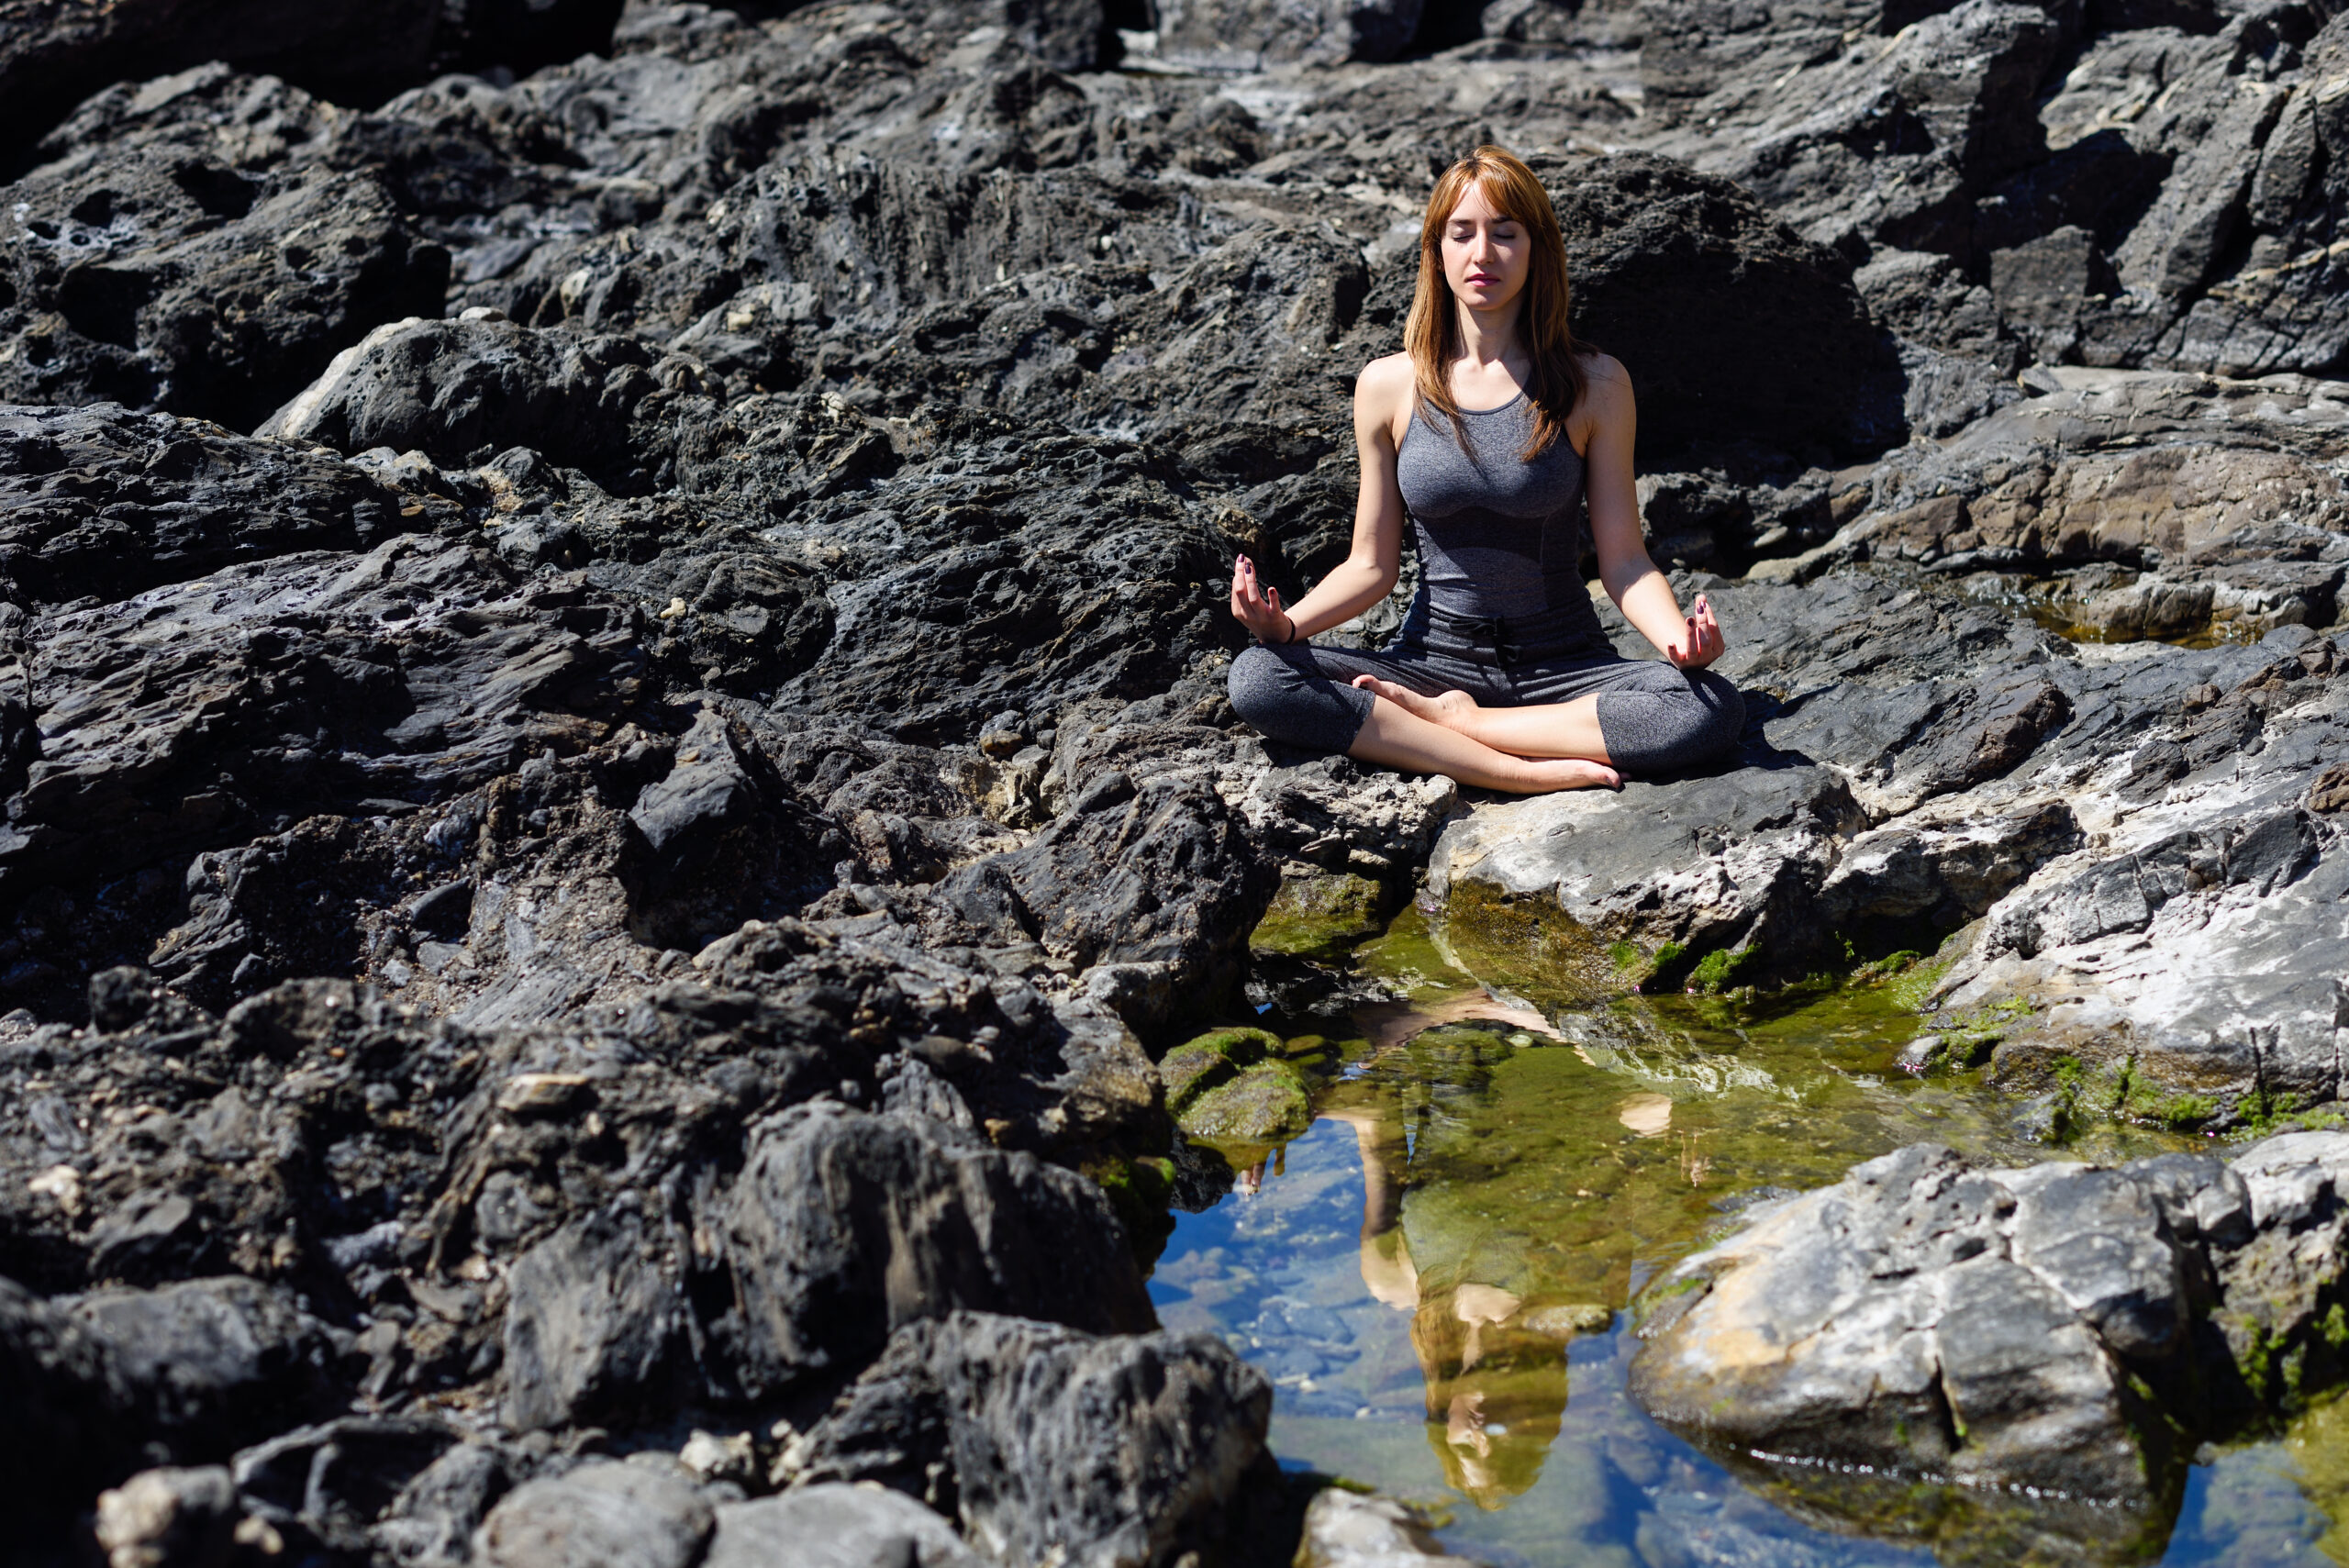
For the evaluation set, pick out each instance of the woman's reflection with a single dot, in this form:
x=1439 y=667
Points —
x=1495 y=1384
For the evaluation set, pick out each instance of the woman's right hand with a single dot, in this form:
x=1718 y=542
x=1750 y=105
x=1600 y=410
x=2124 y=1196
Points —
x=1257 y=606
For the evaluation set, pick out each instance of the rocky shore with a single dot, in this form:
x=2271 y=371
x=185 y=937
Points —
x=620 y=802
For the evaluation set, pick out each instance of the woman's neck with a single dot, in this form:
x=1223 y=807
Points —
x=1488 y=338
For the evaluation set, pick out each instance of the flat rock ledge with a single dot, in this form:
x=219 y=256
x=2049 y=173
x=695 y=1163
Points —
x=2064 y=1333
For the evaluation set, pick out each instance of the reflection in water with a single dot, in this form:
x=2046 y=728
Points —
x=1488 y=1187
x=1496 y=1383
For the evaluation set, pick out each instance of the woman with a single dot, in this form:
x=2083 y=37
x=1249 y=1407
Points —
x=1489 y=428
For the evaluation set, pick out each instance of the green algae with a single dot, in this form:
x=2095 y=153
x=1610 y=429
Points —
x=1533 y=1141
x=1320 y=914
x=1235 y=1086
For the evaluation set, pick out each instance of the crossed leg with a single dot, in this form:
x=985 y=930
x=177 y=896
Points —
x=1559 y=729
x=1526 y=750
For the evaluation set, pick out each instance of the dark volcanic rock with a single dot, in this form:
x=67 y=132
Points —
x=462 y=392
x=1131 y=1450
x=1670 y=265
x=912 y=1225
x=158 y=276
x=101 y=504
x=183 y=1374
x=617 y=867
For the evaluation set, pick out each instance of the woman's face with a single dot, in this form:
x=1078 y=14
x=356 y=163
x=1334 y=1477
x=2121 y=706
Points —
x=1486 y=254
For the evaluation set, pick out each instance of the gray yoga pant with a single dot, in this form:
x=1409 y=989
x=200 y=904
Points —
x=1656 y=717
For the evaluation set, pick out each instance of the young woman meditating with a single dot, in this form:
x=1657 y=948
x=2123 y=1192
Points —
x=1486 y=430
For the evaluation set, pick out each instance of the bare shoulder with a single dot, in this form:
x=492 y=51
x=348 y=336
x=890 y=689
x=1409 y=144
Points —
x=1382 y=394
x=1384 y=383
x=1609 y=381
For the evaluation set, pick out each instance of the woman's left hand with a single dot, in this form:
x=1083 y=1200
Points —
x=1703 y=642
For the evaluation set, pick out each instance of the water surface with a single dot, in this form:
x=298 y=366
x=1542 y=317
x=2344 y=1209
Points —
x=1435 y=1275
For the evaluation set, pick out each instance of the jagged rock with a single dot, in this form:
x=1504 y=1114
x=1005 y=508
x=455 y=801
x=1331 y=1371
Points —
x=183 y=1374
x=407 y=1483
x=1130 y=1449
x=161 y=278
x=915 y=1225
x=54 y=58
x=1247 y=35
x=462 y=392
x=559 y=784
x=104 y=503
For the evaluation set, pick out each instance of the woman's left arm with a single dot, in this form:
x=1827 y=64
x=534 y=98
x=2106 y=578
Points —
x=1639 y=589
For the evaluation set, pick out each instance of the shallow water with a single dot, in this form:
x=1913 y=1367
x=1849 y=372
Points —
x=1435 y=1276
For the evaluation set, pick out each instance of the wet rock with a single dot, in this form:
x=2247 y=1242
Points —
x=1234 y=1086
x=2034 y=1326
x=1318 y=913
x=1725 y=863
x=1921 y=801
x=1349 y=1530
x=1130 y=1449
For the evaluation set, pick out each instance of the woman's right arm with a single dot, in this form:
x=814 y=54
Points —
x=1368 y=574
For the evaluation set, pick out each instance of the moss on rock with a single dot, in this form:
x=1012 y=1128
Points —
x=1320 y=914
x=1234 y=1087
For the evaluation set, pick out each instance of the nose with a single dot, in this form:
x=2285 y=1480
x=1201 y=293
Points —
x=1480 y=246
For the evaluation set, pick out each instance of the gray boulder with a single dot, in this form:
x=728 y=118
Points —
x=603 y=1515
x=832 y=1525
x=463 y=391
x=2061 y=1327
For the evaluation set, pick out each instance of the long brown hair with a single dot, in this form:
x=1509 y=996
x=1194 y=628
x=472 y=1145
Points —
x=1431 y=335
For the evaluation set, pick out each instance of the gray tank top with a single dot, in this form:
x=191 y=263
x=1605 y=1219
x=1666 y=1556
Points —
x=1498 y=537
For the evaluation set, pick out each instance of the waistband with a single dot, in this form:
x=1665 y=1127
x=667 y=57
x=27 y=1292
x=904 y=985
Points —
x=1560 y=632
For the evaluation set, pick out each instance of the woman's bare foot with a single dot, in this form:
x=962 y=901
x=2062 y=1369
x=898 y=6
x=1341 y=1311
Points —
x=1545 y=775
x=1452 y=709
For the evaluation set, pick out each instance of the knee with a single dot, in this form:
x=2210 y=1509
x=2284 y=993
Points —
x=1721 y=724
x=1259 y=685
